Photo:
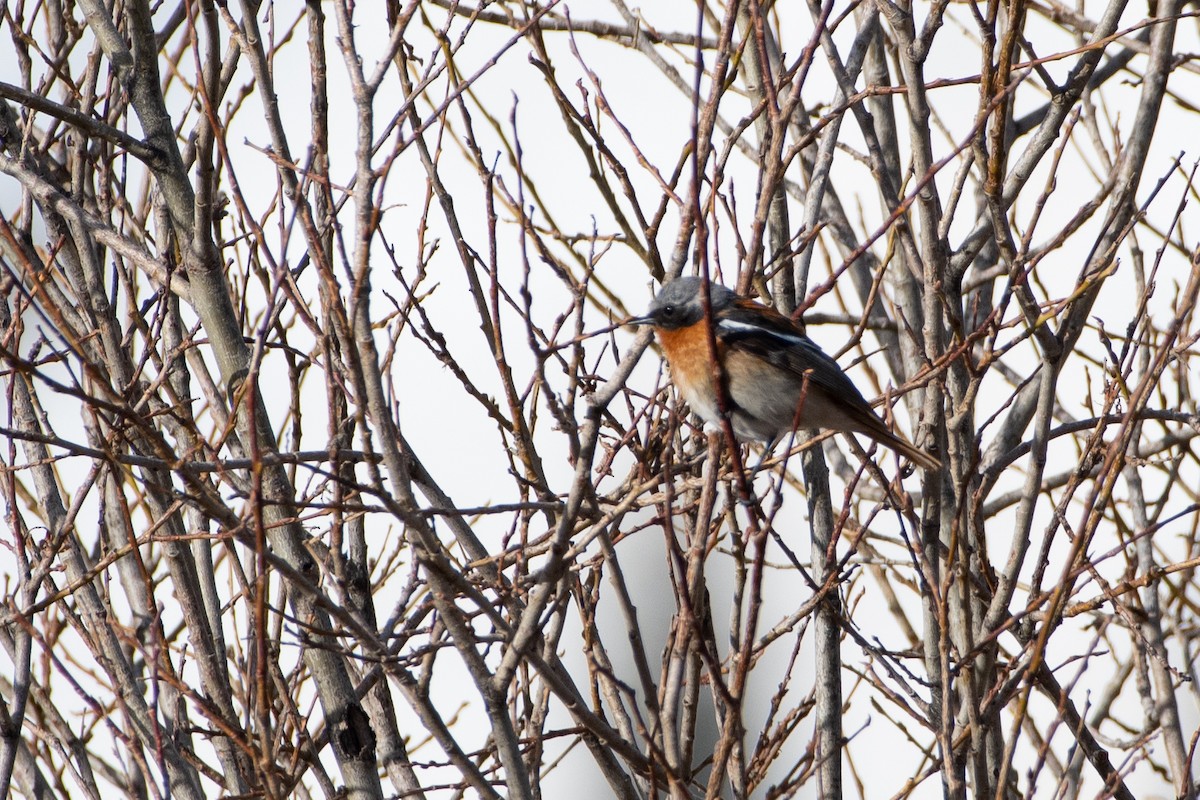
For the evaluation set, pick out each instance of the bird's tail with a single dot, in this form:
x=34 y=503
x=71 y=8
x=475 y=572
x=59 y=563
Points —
x=878 y=431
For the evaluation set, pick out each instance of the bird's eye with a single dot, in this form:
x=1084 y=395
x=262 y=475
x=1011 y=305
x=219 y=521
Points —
x=668 y=311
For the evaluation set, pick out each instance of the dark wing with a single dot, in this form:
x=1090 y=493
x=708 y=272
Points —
x=773 y=337
x=776 y=339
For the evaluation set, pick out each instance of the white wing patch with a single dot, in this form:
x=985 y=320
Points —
x=733 y=326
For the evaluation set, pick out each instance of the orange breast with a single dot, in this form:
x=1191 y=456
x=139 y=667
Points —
x=687 y=352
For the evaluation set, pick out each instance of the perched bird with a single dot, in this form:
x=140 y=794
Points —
x=765 y=359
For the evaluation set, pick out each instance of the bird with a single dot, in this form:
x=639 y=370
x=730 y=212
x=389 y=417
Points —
x=776 y=378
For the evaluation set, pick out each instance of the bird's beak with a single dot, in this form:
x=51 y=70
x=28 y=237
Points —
x=646 y=320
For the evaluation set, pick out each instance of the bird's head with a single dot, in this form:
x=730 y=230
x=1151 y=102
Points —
x=679 y=303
